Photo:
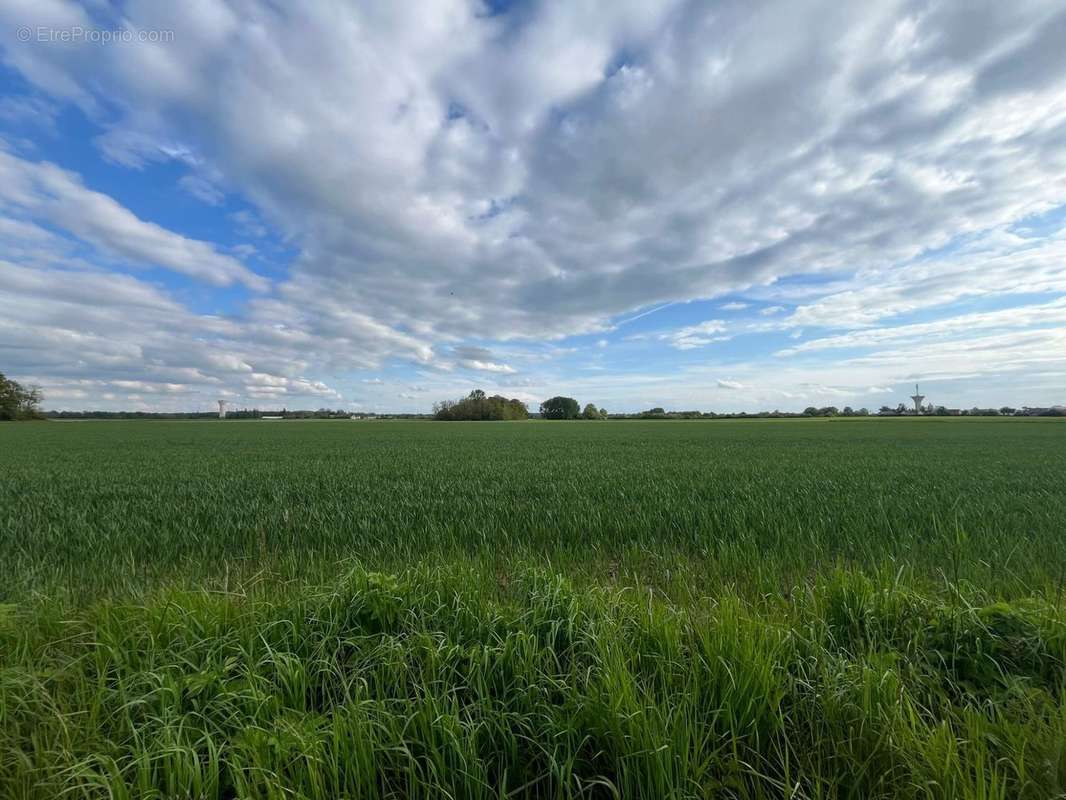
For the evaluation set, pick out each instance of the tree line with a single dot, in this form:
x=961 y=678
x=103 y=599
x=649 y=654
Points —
x=479 y=406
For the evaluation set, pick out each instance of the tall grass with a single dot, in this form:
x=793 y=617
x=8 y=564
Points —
x=663 y=610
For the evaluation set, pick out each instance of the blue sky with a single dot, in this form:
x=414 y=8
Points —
x=375 y=206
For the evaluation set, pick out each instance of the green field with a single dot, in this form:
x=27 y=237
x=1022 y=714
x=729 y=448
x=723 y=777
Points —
x=727 y=608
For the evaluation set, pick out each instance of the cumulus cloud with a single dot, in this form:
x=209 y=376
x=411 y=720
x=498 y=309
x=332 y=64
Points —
x=692 y=336
x=43 y=191
x=83 y=333
x=1051 y=314
x=443 y=174
x=477 y=154
x=480 y=359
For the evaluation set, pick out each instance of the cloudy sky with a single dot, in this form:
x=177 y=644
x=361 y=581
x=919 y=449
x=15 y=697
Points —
x=375 y=205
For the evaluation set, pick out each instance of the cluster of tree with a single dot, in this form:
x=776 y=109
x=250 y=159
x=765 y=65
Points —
x=944 y=411
x=661 y=413
x=244 y=413
x=322 y=413
x=569 y=408
x=478 y=406
x=1054 y=411
x=131 y=414
x=833 y=411
x=17 y=401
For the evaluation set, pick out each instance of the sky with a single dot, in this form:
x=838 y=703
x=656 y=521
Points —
x=377 y=205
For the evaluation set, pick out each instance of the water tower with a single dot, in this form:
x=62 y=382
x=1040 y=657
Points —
x=221 y=409
x=917 y=398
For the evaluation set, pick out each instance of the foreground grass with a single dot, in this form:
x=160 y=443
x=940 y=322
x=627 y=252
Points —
x=708 y=609
x=431 y=685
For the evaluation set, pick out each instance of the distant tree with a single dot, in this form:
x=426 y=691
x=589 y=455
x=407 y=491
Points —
x=656 y=413
x=810 y=411
x=477 y=406
x=591 y=412
x=560 y=408
x=18 y=402
x=653 y=413
x=848 y=411
x=1007 y=411
x=603 y=413
x=863 y=412
x=901 y=409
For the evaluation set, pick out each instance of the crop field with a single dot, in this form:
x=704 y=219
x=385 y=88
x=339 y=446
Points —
x=626 y=609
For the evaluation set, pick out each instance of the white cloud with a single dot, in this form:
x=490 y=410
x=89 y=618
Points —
x=202 y=189
x=568 y=205
x=45 y=192
x=443 y=175
x=480 y=359
x=965 y=325
x=487 y=366
x=699 y=335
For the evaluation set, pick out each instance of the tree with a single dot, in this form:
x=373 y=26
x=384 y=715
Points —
x=476 y=406
x=603 y=413
x=17 y=402
x=560 y=408
x=591 y=412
